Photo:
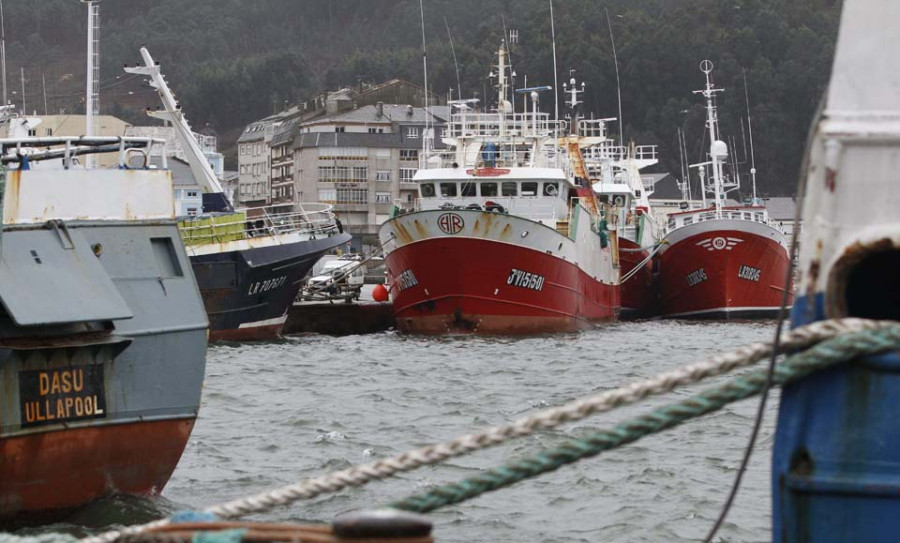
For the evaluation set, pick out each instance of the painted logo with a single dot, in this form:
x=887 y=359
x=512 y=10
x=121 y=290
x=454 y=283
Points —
x=451 y=223
x=521 y=278
x=719 y=243
x=749 y=273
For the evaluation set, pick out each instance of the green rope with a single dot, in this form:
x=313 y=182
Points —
x=825 y=354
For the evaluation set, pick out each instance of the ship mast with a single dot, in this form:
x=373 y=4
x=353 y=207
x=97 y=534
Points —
x=92 y=94
x=718 y=150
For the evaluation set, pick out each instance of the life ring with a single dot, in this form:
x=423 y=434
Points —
x=427 y=190
x=619 y=200
x=550 y=189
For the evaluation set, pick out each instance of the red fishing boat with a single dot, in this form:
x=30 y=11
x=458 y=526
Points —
x=721 y=261
x=508 y=237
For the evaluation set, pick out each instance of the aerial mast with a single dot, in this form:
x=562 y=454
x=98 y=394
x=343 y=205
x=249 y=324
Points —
x=718 y=150
x=92 y=94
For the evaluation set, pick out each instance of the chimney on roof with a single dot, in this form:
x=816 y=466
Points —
x=379 y=109
x=409 y=110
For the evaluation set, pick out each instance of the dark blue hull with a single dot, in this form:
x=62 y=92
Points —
x=247 y=293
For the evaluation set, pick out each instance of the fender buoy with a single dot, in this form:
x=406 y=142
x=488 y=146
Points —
x=380 y=293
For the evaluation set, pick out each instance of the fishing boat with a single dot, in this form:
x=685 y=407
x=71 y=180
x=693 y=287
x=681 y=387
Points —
x=102 y=328
x=615 y=176
x=721 y=261
x=249 y=263
x=507 y=236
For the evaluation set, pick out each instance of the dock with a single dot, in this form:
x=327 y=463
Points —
x=339 y=318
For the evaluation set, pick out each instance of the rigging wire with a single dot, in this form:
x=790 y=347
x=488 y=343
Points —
x=455 y=63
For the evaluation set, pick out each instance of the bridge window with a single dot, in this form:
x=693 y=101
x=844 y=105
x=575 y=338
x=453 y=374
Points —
x=468 y=189
x=489 y=189
x=529 y=188
x=448 y=189
x=509 y=188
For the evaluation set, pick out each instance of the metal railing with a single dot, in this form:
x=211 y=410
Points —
x=310 y=218
x=755 y=216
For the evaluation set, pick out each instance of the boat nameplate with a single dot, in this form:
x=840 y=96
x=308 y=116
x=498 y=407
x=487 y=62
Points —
x=56 y=395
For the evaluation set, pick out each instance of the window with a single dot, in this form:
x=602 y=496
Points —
x=409 y=154
x=382 y=197
x=468 y=189
x=191 y=211
x=509 y=188
x=328 y=196
x=412 y=132
x=448 y=189
x=373 y=130
x=383 y=175
x=339 y=129
x=529 y=188
x=382 y=153
x=192 y=194
x=407 y=174
x=445 y=132
x=342 y=174
x=353 y=196
x=489 y=189
x=48 y=132
x=32 y=132
x=343 y=153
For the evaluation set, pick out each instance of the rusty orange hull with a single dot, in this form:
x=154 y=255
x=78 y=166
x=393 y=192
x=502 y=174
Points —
x=58 y=470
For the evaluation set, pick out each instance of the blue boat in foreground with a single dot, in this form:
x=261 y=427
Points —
x=836 y=463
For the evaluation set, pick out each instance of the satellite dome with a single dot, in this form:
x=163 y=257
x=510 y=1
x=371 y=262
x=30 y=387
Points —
x=719 y=149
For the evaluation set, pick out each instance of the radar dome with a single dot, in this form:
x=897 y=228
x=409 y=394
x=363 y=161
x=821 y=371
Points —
x=719 y=149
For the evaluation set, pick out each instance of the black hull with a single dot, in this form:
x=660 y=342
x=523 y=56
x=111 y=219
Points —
x=247 y=293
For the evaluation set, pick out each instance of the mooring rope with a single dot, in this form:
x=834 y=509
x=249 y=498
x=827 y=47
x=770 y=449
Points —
x=544 y=420
x=642 y=263
x=833 y=351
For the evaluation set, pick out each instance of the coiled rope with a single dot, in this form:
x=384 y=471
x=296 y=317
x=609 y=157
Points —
x=360 y=475
x=833 y=351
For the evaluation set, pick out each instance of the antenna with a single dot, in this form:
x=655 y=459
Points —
x=3 y=52
x=555 y=75
x=750 y=130
x=92 y=94
x=426 y=139
x=618 y=87
x=456 y=64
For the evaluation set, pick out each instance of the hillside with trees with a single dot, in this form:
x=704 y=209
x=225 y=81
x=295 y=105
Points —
x=233 y=61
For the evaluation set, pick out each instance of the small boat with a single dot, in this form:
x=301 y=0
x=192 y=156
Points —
x=721 y=261
x=250 y=263
x=507 y=236
x=102 y=328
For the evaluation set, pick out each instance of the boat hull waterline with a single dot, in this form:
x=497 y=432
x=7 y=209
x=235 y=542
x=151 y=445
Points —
x=723 y=269
x=465 y=285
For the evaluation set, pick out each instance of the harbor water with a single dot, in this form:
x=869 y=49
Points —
x=275 y=413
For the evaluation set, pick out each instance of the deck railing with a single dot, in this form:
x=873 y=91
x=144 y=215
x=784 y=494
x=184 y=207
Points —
x=311 y=218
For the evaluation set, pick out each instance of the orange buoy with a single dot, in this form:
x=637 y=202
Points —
x=380 y=293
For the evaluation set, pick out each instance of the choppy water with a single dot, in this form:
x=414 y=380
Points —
x=275 y=413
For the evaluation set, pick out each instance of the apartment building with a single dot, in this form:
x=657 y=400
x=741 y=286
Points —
x=363 y=161
x=254 y=163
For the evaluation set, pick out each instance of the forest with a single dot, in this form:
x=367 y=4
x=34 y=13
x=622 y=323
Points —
x=231 y=62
